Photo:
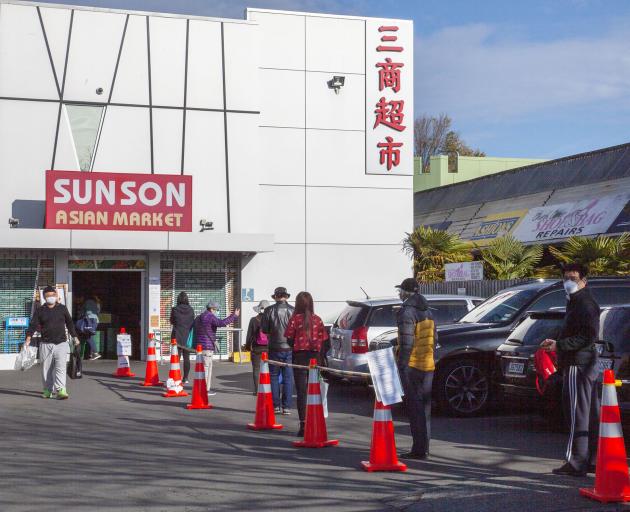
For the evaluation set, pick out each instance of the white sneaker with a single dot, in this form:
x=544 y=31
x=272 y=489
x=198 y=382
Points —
x=212 y=393
x=96 y=356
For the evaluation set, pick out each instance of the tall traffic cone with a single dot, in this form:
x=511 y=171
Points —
x=123 y=369
x=151 y=377
x=383 y=455
x=315 y=435
x=200 y=390
x=174 y=382
x=611 y=473
x=265 y=418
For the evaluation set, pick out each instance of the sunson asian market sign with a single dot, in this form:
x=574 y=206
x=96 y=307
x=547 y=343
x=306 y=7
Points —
x=115 y=201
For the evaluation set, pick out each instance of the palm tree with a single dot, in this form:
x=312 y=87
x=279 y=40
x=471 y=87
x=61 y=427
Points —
x=508 y=258
x=603 y=255
x=431 y=249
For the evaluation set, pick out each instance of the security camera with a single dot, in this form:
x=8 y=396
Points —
x=336 y=83
x=99 y=91
x=13 y=222
x=206 y=225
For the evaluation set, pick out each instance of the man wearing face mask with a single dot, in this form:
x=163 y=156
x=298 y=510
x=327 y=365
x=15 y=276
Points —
x=417 y=337
x=577 y=359
x=51 y=320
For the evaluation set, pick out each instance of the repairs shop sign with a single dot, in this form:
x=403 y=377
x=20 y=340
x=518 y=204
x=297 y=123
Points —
x=115 y=201
x=582 y=218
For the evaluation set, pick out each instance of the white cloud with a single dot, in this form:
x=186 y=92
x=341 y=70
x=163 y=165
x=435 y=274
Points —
x=471 y=72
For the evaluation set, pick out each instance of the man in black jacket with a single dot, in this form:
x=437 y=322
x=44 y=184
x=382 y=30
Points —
x=416 y=343
x=274 y=322
x=54 y=323
x=578 y=361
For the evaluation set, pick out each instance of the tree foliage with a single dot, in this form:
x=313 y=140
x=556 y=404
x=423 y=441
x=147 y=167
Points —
x=431 y=249
x=603 y=255
x=508 y=258
x=433 y=135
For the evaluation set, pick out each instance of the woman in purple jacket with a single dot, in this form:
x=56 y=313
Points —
x=206 y=325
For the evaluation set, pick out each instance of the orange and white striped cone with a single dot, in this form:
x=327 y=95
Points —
x=123 y=369
x=315 y=434
x=174 y=382
x=265 y=418
x=611 y=473
x=151 y=376
x=200 y=390
x=383 y=455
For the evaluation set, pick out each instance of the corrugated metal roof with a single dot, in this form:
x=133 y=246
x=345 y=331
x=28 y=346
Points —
x=606 y=164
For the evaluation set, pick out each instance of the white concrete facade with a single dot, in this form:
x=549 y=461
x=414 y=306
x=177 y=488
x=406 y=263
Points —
x=278 y=159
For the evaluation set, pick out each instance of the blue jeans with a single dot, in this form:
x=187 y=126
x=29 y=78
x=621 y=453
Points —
x=287 y=379
x=418 y=385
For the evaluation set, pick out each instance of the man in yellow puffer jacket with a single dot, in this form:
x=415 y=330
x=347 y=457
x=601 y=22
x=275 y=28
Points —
x=417 y=337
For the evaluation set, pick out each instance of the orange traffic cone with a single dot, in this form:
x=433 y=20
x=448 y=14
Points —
x=265 y=418
x=611 y=474
x=200 y=390
x=383 y=455
x=174 y=382
x=151 y=377
x=123 y=369
x=315 y=435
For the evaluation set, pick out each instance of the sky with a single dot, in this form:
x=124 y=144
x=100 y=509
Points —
x=531 y=79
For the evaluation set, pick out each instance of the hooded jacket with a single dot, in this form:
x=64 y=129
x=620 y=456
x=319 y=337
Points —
x=576 y=343
x=416 y=334
x=182 y=319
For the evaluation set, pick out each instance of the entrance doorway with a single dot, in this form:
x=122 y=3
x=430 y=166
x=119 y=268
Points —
x=120 y=297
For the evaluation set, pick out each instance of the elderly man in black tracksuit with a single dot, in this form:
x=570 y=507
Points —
x=416 y=341
x=578 y=361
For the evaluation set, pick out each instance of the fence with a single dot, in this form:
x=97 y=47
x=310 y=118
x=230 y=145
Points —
x=485 y=288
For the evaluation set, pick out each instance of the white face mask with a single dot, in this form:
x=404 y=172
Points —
x=51 y=300
x=570 y=287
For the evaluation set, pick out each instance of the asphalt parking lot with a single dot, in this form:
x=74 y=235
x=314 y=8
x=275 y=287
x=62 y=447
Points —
x=117 y=446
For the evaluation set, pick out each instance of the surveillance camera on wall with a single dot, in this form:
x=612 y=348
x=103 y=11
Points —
x=99 y=91
x=206 y=225
x=13 y=222
x=336 y=83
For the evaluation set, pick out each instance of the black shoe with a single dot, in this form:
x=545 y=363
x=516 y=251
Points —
x=301 y=431
x=591 y=468
x=568 y=470
x=415 y=456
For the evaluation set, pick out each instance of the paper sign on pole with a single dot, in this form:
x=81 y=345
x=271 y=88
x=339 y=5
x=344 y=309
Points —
x=385 y=376
x=123 y=344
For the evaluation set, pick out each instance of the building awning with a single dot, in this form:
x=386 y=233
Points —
x=206 y=241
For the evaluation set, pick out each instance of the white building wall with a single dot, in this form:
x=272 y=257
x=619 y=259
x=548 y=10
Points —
x=337 y=228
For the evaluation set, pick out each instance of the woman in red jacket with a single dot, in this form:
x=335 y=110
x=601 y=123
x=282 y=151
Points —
x=305 y=333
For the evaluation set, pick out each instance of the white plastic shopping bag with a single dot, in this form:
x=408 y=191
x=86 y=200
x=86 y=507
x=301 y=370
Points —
x=26 y=358
x=323 y=391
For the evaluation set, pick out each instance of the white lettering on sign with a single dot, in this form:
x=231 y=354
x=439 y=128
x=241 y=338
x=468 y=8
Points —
x=389 y=97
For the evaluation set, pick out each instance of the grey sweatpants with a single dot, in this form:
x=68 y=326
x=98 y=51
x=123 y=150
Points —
x=207 y=366
x=54 y=360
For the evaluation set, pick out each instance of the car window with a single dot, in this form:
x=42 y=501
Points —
x=382 y=316
x=615 y=327
x=500 y=307
x=610 y=295
x=352 y=317
x=476 y=302
x=555 y=299
x=448 y=311
x=532 y=331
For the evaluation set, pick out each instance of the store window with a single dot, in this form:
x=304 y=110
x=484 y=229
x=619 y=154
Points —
x=85 y=121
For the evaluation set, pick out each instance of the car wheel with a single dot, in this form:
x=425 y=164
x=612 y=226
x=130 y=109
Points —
x=463 y=388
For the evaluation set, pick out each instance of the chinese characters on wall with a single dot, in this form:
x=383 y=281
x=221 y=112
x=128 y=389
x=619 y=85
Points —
x=389 y=90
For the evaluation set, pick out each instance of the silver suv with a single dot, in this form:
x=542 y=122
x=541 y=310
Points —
x=353 y=334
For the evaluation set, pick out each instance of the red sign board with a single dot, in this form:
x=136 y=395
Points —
x=120 y=202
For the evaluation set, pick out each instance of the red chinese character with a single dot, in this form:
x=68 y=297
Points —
x=389 y=74
x=388 y=39
x=389 y=154
x=390 y=114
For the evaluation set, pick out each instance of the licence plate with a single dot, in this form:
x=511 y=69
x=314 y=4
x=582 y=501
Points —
x=605 y=364
x=516 y=368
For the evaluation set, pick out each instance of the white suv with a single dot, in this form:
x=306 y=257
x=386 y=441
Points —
x=362 y=321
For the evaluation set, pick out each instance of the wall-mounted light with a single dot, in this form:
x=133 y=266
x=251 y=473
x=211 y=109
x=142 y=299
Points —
x=336 y=83
x=206 y=225
x=13 y=222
